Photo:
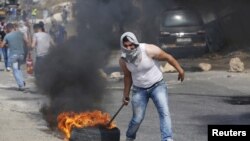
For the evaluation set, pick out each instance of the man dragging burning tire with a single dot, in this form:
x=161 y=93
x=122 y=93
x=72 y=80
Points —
x=139 y=64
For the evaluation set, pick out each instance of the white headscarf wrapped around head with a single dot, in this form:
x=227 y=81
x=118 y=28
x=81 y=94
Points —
x=131 y=56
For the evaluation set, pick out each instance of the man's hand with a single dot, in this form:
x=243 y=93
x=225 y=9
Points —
x=181 y=75
x=126 y=100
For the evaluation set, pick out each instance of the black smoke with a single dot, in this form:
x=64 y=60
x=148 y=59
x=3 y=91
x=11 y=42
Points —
x=70 y=72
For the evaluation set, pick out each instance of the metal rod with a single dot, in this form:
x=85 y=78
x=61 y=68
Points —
x=115 y=114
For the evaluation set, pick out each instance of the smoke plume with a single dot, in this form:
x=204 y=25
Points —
x=70 y=75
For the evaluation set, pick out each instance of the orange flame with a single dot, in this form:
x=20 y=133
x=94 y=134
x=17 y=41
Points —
x=68 y=120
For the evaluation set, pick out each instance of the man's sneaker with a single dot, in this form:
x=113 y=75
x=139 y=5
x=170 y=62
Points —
x=8 y=69
x=20 y=89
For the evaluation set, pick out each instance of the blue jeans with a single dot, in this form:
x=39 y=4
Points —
x=16 y=61
x=140 y=97
x=6 y=53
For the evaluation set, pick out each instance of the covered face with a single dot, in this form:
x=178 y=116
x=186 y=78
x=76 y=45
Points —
x=132 y=54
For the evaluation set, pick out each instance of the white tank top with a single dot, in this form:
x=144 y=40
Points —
x=147 y=72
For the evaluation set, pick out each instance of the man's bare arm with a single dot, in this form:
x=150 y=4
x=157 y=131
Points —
x=127 y=80
x=33 y=45
x=156 y=53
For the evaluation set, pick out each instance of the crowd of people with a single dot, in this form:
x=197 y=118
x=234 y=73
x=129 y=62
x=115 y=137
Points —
x=18 y=39
x=15 y=13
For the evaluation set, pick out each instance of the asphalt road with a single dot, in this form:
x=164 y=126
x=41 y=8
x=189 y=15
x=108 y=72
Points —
x=214 y=97
x=20 y=118
x=203 y=98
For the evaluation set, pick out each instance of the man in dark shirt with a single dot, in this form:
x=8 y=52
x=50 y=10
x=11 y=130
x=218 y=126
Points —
x=5 y=49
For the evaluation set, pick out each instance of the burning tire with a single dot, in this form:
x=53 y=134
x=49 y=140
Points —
x=95 y=134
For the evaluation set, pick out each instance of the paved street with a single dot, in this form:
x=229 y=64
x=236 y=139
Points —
x=20 y=118
x=204 y=98
x=214 y=97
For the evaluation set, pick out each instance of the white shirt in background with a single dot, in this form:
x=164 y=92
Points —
x=43 y=43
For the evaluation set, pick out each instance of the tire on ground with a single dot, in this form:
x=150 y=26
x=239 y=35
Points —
x=95 y=134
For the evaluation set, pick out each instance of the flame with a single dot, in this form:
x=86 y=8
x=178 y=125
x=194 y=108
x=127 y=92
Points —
x=68 y=120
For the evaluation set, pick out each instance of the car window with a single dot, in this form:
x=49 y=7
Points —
x=181 y=18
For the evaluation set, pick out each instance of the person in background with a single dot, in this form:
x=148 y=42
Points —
x=139 y=62
x=24 y=15
x=45 y=14
x=2 y=34
x=24 y=29
x=16 y=41
x=33 y=15
x=58 y=32
x=41 y=23
x=41 y=42
x=65 y=14
x=5 y=49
